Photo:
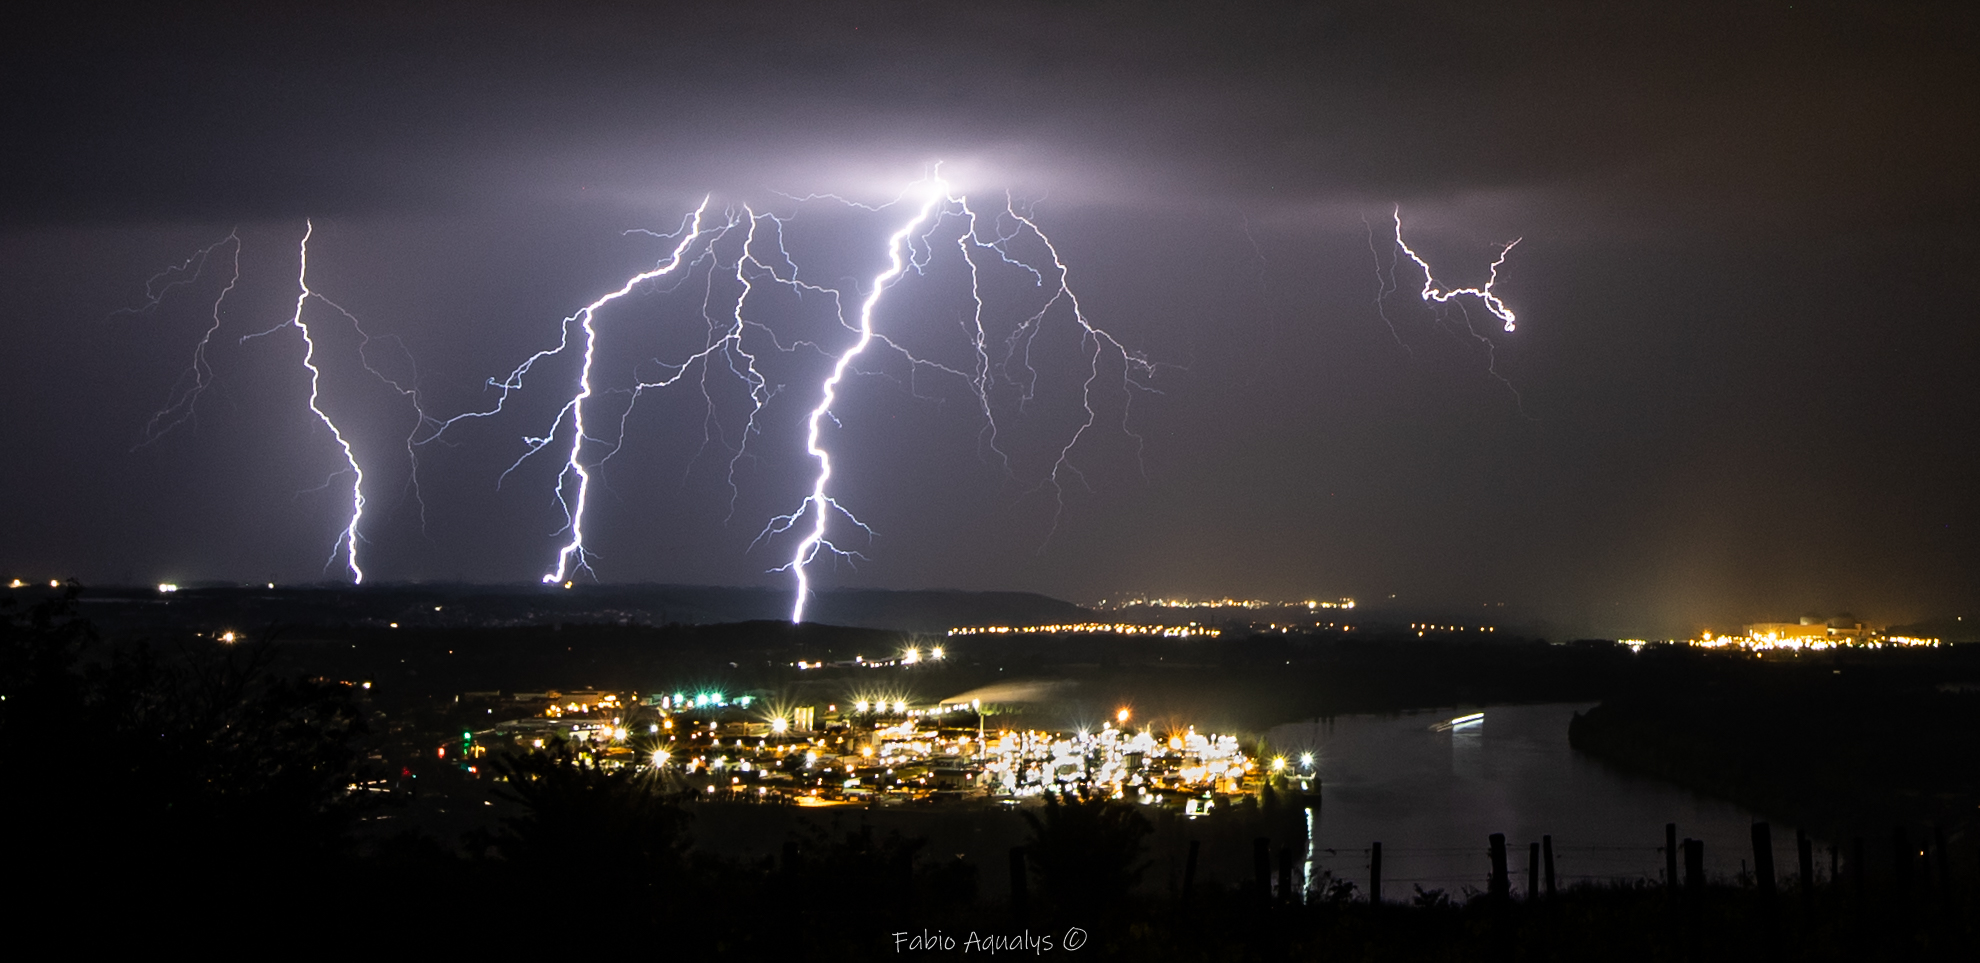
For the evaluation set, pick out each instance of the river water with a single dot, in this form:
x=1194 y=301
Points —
x=1433 y=797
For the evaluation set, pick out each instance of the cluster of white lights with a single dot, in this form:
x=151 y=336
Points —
x=1771 y=641
x=1191 y=630
x=1225 y=603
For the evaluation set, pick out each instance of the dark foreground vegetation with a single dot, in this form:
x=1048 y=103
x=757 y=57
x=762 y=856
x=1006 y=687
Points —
x=1847 y=744
x=183 y=794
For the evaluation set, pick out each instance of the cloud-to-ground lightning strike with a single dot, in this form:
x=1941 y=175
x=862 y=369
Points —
x=181 y=403
x=348 y=541
x=819 y=504
x=941 y=202
x=573 y=556
x=1005 y=240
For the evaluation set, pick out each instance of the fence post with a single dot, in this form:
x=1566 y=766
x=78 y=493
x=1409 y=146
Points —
x=1671 y=857
x=1763 y=861
x=1501 y=885
x=1804 y=850
x=1286 y=894
x=1547 y=858
x=1375 y=874
x=1532 y=872
x=1763 y=874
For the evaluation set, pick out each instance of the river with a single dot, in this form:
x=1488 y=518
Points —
x=1433 y=797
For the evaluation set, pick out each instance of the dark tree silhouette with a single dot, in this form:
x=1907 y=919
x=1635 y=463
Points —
x=193 y=762
x=1085 y=852
x=583 y=822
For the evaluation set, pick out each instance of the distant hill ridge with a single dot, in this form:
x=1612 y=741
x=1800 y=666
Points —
x=432 y=604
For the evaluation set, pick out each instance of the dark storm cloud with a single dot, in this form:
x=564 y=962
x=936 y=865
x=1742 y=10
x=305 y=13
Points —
x=187 y=110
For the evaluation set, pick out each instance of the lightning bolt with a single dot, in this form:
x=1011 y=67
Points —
x=573 y=556
x=819 y=505
x=422 y=422
x=182 y=399
x=702 y=247
x=1100 y=341
x=347 y=542
x=973 y=240
x=1431 y=292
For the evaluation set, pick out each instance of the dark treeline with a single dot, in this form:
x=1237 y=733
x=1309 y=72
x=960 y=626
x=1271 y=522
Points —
x=1845 y=743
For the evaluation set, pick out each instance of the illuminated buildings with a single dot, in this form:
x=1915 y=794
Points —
x=874 y=751
x=1192 y=630
x=1810 y=634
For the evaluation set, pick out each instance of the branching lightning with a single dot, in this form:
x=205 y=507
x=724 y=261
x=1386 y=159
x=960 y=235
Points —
x=1431 y=292
x=819 y=504
x=572 y=556
x=937 y=222
x=347 y=543
x=182 y=401
x=939 y=201
x=1099 y=339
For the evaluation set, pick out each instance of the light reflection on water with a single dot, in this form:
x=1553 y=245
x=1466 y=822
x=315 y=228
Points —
x=1431 y=798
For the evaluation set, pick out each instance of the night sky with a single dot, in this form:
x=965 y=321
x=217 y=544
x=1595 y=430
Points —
x=1743 y=385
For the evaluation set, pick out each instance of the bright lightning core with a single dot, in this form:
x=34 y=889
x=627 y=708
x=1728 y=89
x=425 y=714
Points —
x=817 y=502
x=348 y=541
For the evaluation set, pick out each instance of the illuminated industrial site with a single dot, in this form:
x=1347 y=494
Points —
x=1192 y=630
x=1223 y=603
x=875 y=749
